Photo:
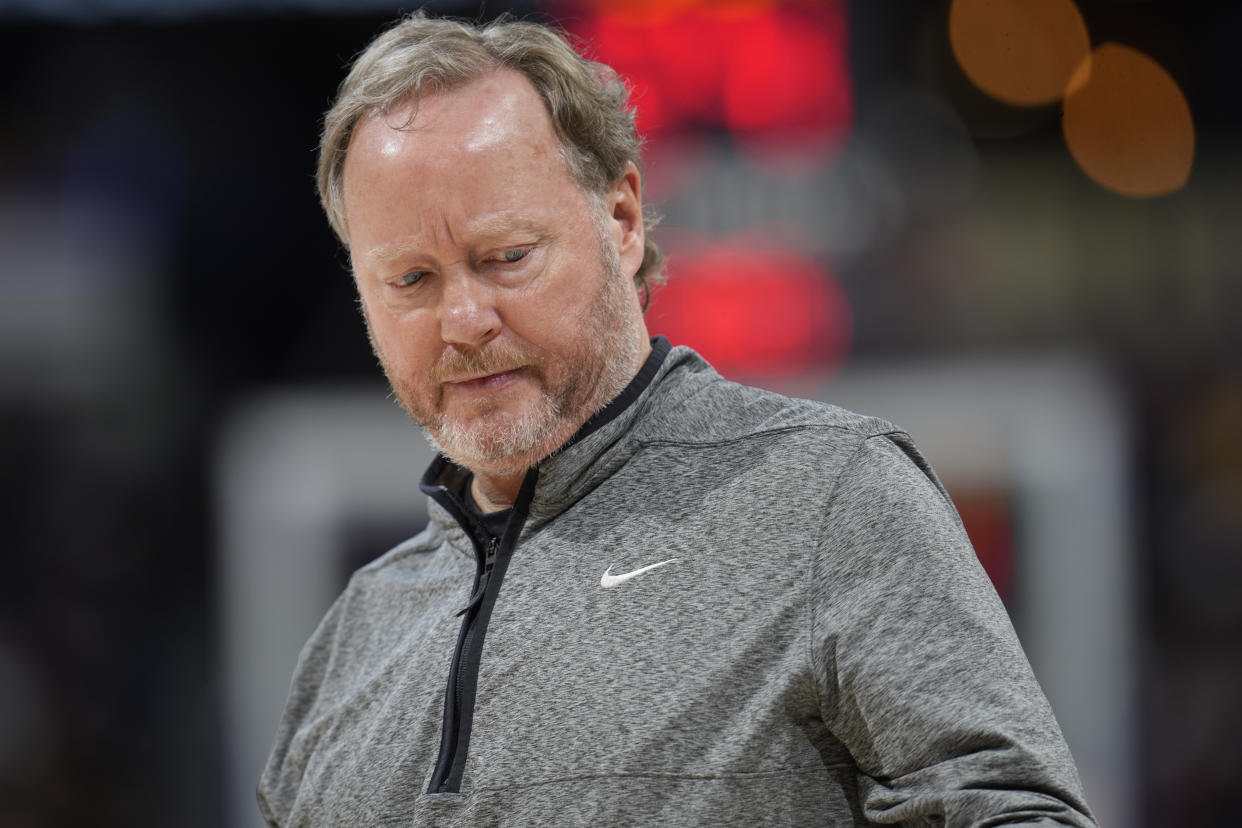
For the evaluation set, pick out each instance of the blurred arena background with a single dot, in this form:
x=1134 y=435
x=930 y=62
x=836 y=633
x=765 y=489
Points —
x=1004 y=224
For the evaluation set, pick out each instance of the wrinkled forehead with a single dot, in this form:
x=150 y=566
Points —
x=498 y=110
x=457 y=159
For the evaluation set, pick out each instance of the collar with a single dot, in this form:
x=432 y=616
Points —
x=559 y=479
x=631 y=392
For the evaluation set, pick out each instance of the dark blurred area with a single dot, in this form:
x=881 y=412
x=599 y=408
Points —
x=164 y=259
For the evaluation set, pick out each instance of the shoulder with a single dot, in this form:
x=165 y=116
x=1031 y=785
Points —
x=373 y=613
x=411 y=554
x=694 y=404
x=833 y=458
x=415 y=570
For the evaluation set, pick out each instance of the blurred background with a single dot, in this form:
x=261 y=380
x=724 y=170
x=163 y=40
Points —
x=1004 y=224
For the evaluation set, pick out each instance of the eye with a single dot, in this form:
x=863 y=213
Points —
x=412 y=278
x=515 y=255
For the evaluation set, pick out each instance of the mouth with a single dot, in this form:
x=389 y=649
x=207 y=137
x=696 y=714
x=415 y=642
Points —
x=486 y=382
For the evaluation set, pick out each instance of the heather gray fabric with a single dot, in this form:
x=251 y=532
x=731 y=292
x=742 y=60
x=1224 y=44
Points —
x=825 y=649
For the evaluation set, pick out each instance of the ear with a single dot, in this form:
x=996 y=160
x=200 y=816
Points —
x=625 y=213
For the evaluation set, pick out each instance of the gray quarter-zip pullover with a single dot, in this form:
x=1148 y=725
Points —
x=817 y=646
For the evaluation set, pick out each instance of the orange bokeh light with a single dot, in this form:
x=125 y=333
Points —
x=1128 y=125
x=1021 y=52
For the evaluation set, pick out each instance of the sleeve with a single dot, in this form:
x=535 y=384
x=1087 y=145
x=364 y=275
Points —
x=923 y=679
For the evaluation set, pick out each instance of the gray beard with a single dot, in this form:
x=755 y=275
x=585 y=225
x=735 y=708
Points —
x=512 y=444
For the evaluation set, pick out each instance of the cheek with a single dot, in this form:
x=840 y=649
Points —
x=561 y=305
x=551 y=326
x=403 y=342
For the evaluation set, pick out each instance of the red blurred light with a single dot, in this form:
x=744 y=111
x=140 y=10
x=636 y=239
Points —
x=754 y=313
x=745 y=66
x=789 y=74
x=987 y=516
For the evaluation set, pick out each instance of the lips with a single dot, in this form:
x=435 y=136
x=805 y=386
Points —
x=486 y=382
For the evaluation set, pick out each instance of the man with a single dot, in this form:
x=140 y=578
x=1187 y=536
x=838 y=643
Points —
x=646 y=596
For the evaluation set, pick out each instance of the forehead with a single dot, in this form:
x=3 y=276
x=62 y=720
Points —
x=437 y=168
x=497 y=119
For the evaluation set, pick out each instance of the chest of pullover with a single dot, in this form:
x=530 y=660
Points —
x=759 y=677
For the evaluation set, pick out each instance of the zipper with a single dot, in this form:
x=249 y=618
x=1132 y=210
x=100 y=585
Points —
x=492 y=558
x=481 y=587
x=475 y=599
x=454 y=698
x=459 y=695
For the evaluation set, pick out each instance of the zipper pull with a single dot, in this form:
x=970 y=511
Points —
x=477 y=597
x=489 y=561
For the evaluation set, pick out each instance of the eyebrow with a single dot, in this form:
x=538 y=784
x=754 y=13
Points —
x=389 y=252
x=486 y=229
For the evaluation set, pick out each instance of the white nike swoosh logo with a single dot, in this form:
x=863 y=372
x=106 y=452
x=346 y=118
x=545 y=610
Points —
x=609 y=580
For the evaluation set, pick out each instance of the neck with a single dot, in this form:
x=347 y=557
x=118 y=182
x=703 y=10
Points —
x=493 y=492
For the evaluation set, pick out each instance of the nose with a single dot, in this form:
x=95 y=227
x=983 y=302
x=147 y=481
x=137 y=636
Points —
x=468 y=316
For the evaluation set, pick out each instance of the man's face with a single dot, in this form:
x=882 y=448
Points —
x=498 y=296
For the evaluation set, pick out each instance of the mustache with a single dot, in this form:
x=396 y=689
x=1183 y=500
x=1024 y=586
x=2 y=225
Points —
x=456 y=364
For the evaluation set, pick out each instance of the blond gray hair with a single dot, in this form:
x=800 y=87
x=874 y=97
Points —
x=587 y=101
